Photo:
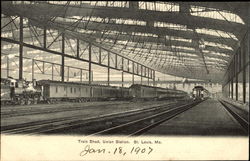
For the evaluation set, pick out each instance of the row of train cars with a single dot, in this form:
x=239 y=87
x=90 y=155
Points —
x=21 y=92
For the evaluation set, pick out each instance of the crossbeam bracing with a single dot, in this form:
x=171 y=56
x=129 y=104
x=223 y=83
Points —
x=148 y=33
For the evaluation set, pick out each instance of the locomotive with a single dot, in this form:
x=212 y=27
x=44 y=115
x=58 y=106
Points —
x=200 y=93
x=19 y=92
x=49 y=91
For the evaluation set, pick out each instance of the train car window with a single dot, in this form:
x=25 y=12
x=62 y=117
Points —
x=70 y=89
x=56 y=89
x=79 y=89
x=65 y=88
x=74 y=90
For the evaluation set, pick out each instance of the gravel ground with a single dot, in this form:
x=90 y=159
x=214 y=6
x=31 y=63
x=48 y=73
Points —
x=89 y=109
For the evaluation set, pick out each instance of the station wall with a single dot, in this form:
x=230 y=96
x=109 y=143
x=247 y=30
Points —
x=236 y=79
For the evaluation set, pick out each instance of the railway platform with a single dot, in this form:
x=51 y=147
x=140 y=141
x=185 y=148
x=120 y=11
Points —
x=208 y=118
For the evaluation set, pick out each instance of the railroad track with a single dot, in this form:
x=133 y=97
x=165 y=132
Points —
x=68 y=122
x=139 y=126
x=243 y=121
x=33 y=111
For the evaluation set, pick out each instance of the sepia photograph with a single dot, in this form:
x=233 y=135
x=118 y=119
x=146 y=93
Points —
x=124 y=80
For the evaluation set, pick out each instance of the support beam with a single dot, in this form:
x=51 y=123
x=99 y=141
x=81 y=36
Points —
x=108 y=68
x=137 y=70
x=77 y=48
x=141 y=73
x=232 y=89
x=43 y=67
x=115 y=60
x=244 y=53
x=44 y=38
x=52 y=74
x=100 y=55
x=133 y=76
x=68 y=75
x=153 y=77
x=122 y=71
x=21 y=49
x=148 y=76
x=80 y=75
x=63 y=52
x=90 y=78
x=236 y=75
x=32 y=70
x=8 y=66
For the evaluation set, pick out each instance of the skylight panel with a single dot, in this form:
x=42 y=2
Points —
x=216 y=33
x=214 y=59
x=187 y=54
x=129 y=22
x=183 y=47
x=218 y=45
x=159 y=6
x=215 y=53
x=6 y=34
x=171 y=26
x=86 y=31
x=54 y=2
x=144 y=34
x=178 y=38
x=109 y=3
x=215 y=14
x=34 y=52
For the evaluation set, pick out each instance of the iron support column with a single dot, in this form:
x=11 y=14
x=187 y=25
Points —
x=21 y=49
x=108 y=67
x=44 y=38
x=100 y=55
x=116 y=61
x=77 y=48
x=32 y=70
x=90 y=78
x=122 y=71
x=68 y=74
x=133 y=76
x=52 y=74
x=63 y=50
x=8 y=66
x=148 y=76
x=244 y=64
x=153 y=77
x=43 y=67
x=80 y=75
x=141 y=73
x=236 y=76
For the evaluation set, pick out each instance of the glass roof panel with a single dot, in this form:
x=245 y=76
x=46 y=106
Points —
x=216 y=33
x=171 y=26
x=218 y=45
x=215 y=14
x=159 y=6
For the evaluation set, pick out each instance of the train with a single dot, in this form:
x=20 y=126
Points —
x=18 y=92
x=49 y=91
x=200 y=93
x=145 y=92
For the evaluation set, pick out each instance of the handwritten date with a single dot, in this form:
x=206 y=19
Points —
x=117 y=150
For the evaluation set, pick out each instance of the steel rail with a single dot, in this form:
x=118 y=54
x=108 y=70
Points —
x=241 y=120
x=25 y=128
x=175 y=112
